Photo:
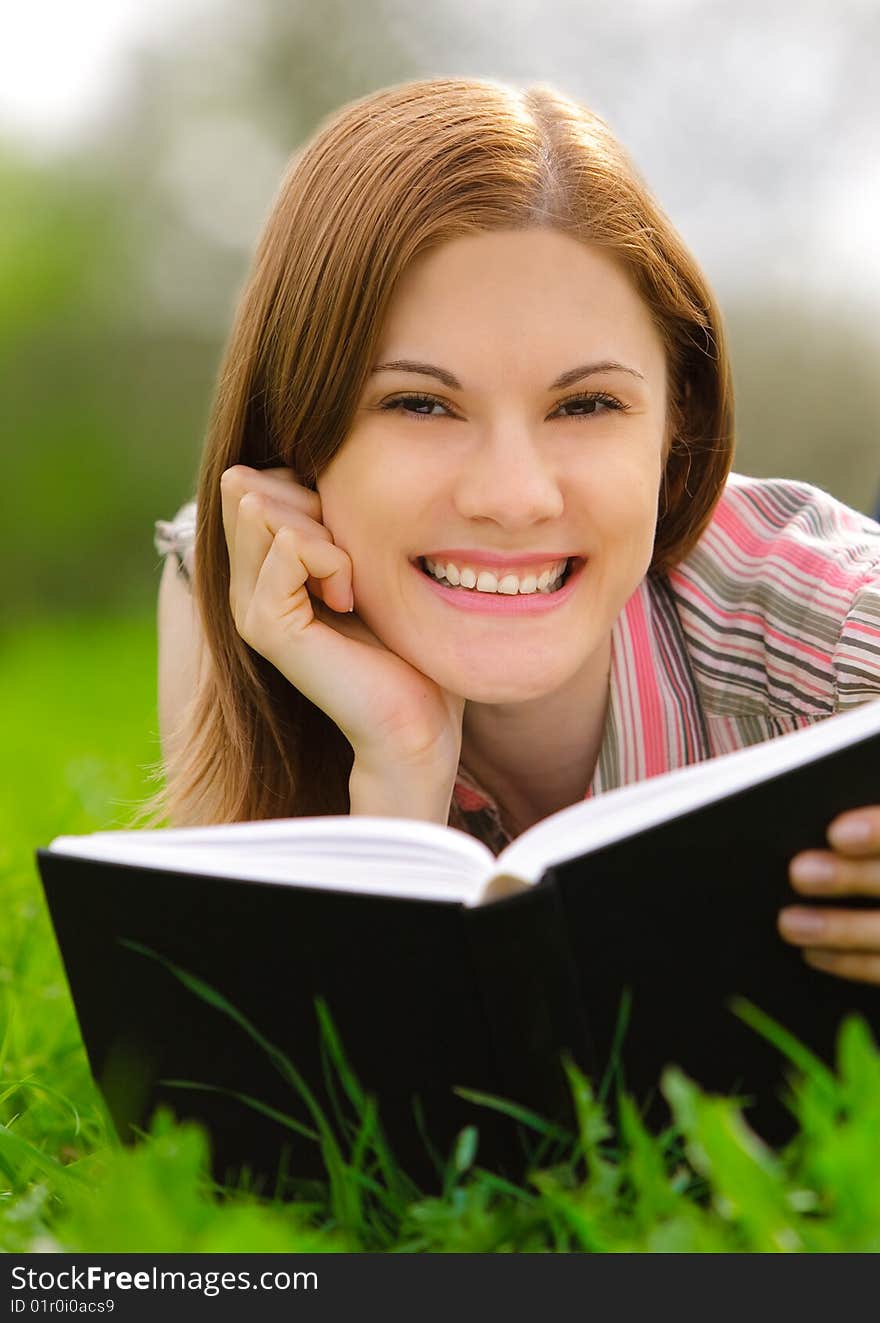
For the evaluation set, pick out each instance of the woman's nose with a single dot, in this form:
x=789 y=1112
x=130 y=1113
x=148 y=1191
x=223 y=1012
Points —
x=506 y=478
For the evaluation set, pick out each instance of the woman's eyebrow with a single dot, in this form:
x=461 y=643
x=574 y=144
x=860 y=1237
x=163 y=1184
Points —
x=589 y=370
x=423 y=369
x=452 y=383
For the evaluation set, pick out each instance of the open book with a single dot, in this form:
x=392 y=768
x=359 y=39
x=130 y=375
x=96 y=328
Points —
x=444 y=966
x=397 y=856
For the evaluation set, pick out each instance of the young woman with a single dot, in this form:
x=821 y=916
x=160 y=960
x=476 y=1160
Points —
x=465 y=546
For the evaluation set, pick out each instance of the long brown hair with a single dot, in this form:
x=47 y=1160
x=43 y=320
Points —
x=382 y=180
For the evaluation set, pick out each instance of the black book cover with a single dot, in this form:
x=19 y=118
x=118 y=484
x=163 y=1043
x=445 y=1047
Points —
x=683 y=916
x=426 y=996
x=398 y=976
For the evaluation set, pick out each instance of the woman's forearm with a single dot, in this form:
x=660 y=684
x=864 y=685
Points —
x=401 y=792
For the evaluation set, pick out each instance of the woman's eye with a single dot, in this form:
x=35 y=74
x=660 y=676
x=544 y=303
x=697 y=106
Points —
x=423 y=406
x=586 y=405
x=414 y=405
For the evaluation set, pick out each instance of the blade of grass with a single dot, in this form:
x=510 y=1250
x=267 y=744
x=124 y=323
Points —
x=14 y=1148
x=30 y=1083
x=281 y=1117
x=396 y=1180
x=614 y=1068
x=524 y=1115
x=786 y=1043
x=336 y=1167
x=501 y=1186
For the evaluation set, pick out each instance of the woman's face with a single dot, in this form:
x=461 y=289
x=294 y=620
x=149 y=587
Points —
x=514 y=419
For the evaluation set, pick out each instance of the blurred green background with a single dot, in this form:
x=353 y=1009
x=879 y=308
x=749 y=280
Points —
x=123 y=242
x=126 y=230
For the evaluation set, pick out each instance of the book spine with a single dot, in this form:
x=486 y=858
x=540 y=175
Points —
x=532 y=998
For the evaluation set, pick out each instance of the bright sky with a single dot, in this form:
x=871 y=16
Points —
x=60 y=59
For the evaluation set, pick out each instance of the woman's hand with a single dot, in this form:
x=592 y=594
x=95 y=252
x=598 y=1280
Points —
x=290 y=591
x=841 y=941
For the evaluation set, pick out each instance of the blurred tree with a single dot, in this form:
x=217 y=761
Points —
x=119 y=268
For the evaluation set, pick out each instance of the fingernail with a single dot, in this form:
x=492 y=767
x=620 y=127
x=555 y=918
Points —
x=802 y=923
x=351 y=600
x=813 y=870
x=850 y=831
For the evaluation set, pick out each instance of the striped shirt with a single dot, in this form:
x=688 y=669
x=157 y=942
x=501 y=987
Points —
x=770 y=623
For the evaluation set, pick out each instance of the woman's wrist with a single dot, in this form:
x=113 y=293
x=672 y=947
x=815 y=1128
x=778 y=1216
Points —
x=404 y=791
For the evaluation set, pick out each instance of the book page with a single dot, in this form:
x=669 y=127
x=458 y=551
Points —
x=383 y=856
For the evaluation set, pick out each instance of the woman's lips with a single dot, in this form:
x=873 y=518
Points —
x=508 y=604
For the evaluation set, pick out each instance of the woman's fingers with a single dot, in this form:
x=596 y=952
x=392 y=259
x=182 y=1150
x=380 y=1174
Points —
x=258 y=519
x=823 y=873
x=279 y=557
x=281 y=587
x=290 y=595
x=319 y=562
x=843 y=942
x=318 y=656
x=276 y=485
x=851 y=930
x=860 y=966
x=250 y=543
x=856 y=833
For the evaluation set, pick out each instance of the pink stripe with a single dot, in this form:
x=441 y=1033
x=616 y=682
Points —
x=650 y=711
x=861 y=627
x=808 y=684
x=627 y=719
x=809 y=562
x=773 y=567
x=790 y=640
x=686 y=737
x=778 y=516
x=842 y=519
x=468 y=800
x=784 y=578
x=630 y=722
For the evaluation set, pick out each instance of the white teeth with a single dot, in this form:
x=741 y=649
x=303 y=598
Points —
x=487 y=582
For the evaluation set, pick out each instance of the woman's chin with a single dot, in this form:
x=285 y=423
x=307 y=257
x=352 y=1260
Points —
x=496 y=674
x=506 y=693
x=487 y=687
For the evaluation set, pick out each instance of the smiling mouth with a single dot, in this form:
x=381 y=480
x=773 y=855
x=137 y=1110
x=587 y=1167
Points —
x=489 y=583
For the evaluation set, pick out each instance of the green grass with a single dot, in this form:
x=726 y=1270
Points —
x=79 y=730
